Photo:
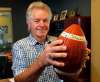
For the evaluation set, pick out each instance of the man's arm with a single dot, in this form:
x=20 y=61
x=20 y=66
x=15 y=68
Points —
x=31 y=73
x=51 y=51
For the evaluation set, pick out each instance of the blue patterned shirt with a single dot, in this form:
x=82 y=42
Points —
x=25 y=51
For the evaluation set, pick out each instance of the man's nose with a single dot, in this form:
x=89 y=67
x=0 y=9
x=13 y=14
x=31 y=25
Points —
x=42 y=23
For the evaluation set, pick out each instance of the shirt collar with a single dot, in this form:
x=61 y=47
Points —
x=33 y=41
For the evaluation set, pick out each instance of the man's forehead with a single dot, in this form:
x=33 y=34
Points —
x=39 y=14
x=40 y=9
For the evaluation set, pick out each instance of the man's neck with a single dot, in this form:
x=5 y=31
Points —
x=40 y=40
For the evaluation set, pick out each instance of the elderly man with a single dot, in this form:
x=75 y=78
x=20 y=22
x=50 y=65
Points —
x=33 y=57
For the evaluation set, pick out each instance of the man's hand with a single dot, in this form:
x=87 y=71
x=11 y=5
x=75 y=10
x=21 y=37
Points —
x=51 y=51
x=85 y=57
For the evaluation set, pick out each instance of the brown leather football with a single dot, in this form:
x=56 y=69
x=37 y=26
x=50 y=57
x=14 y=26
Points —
x=74 y=38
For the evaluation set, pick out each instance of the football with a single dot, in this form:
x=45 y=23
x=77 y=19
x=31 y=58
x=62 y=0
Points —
x=74 y=38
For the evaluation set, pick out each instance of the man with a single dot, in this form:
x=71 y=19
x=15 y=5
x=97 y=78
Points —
x=33 y=56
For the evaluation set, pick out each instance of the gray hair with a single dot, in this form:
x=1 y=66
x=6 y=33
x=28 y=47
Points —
x=38 y=5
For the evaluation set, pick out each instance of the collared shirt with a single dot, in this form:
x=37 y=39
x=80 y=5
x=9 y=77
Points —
x=25 y=51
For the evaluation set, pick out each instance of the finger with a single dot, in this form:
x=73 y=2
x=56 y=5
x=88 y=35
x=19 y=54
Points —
x=86 y=58
x=84 y=64
x=56 y=42
x=87 y=51
x=56 y=63
x=84 y=61
x=58 y=55
x=58 y=48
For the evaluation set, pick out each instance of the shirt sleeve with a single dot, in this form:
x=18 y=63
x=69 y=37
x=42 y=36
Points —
x=19 y=59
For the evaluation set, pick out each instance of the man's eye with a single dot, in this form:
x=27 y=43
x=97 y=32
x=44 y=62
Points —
x=46 y=20
x=36 y=20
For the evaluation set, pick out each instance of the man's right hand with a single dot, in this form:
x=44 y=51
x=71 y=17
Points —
x=51 y=51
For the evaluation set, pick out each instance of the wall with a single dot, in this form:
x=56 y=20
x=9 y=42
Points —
x=95 y=72
x=83 y=6
x=19 y=8
x=18 y=16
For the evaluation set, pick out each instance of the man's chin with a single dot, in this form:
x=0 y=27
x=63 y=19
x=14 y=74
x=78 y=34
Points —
x=42 y=35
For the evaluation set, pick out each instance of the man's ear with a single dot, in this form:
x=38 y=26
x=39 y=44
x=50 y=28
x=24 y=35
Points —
x=28 y=25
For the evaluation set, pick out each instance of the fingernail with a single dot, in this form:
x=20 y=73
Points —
x=64 y=47
x=65 y=55
x=63 y=64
